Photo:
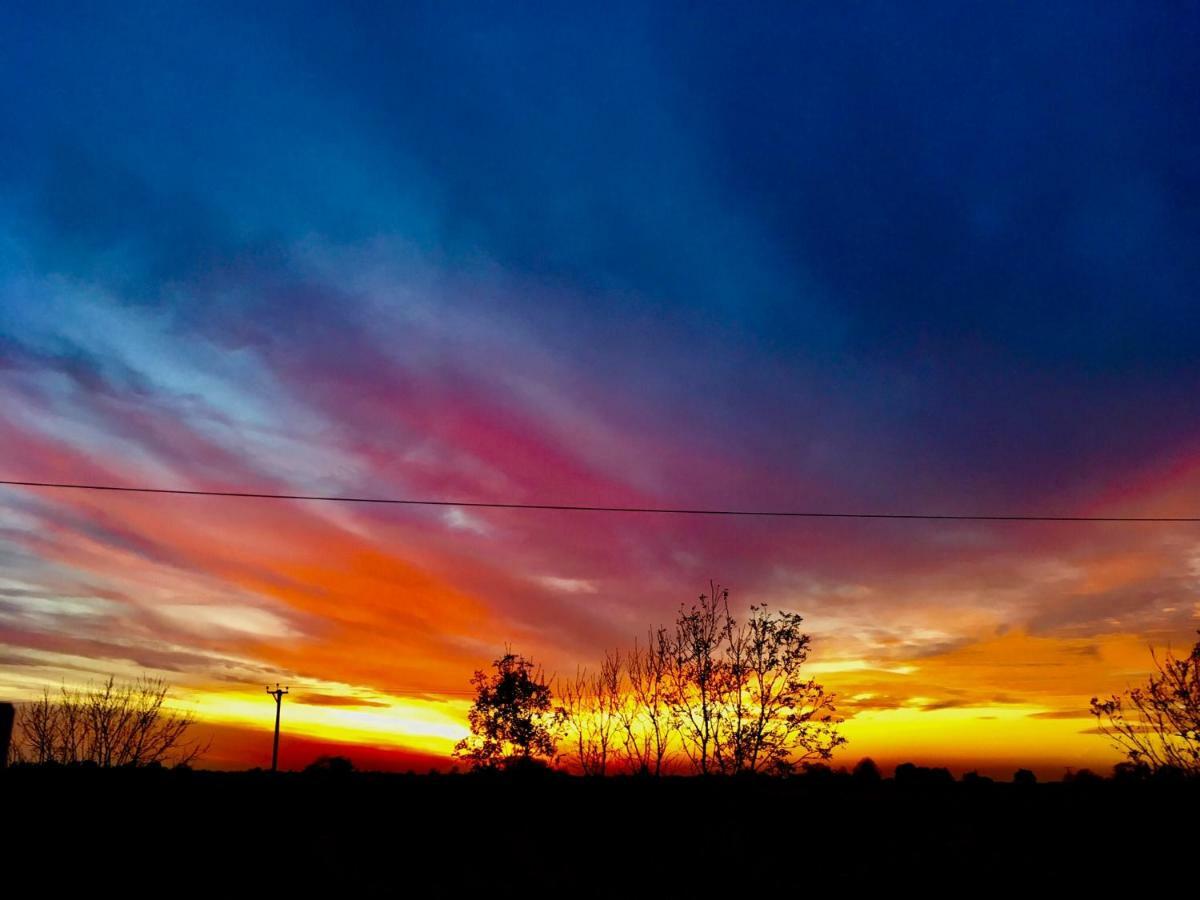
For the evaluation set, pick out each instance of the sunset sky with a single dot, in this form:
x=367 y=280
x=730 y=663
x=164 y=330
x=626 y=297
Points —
x=909 y=258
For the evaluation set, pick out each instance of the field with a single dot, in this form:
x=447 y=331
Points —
x=144 y=833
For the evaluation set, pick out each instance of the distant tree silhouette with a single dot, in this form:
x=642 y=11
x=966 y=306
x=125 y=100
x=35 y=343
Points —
x=512 y=718
x=1024 y=777
x=866 y=772
x=905 y=772
x=974 y=779
x=1128 y=773
x=115 y=724
x=818 y=771
x=1157 y=725
x=922 y=776
x=329 y=765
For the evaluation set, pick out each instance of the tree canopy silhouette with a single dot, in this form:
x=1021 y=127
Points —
x=1157 y=725
x=512 y=718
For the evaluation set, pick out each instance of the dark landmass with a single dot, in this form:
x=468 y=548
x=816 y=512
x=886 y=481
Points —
x=334 y=833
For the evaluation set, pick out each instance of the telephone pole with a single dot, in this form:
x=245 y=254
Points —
x=278 y=695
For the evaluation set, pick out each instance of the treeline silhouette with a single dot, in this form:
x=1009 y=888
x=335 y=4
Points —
x=111 y=725
x=710 y=694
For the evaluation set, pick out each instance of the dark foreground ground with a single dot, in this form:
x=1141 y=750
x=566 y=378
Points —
x=168 y=833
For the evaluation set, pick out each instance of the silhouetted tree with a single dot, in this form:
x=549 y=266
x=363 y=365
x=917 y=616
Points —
x=646 y=713
x=512 y=718
x=699 y=682
x=115 y=724
x=591 y=714
x=738 y=694
x=1158 y=724
x=1024 y=777
x=866 y=772
x=922 y=776
x=774 y=717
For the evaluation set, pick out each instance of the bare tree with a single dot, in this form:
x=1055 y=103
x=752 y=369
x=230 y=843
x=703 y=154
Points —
x=609 y=690
x=72 y=712
x=115 y=724
x=1157 y=725
x=738 y=693
x=698 y=675
x=774 y=717
x=646 y=713
x=36 y=732
x=574 y=710
x=591 y=714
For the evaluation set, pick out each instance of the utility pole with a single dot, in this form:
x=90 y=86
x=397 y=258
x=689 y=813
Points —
x=278 y=695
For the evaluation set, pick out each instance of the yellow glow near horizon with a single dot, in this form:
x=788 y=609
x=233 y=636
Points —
x=1013 y=700
x=983 y=736
x=432 y=726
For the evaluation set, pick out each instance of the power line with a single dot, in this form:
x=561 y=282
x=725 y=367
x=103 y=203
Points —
x=570 y=507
